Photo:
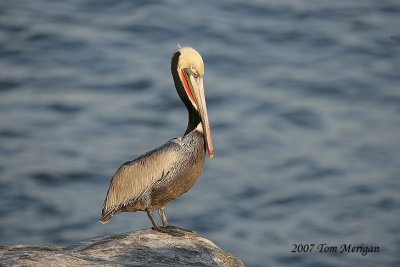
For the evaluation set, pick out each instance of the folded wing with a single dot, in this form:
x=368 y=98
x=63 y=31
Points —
x=134 y=178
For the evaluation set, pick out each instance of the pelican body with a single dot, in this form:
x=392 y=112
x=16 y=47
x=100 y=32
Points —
x=159 y=176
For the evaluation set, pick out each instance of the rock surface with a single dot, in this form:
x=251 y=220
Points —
x=141 y=248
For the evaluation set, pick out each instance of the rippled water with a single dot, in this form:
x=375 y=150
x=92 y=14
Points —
x=304 y=104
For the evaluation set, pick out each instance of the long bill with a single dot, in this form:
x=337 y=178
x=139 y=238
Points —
x=197 y=89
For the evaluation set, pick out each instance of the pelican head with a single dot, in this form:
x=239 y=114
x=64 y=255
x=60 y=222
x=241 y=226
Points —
x=188 y=71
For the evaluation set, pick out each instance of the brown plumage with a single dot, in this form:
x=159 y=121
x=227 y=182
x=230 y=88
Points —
x=158 y=177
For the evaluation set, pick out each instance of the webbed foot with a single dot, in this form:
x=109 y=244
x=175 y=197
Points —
x=172 y=230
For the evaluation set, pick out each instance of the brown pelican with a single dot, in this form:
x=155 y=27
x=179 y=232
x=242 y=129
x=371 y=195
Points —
x=156 y=178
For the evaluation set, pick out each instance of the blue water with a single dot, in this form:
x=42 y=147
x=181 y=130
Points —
x=304 y=105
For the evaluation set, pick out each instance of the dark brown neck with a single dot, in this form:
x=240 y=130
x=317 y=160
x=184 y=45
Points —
x=194 y=118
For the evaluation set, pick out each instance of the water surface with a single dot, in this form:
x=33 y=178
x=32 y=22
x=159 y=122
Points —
x=303 y=100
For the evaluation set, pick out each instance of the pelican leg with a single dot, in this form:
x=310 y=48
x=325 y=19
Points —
x=163 y=216
x=153 y=221
x=166 y=228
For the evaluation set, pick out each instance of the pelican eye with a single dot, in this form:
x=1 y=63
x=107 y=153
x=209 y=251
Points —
x=193 y=70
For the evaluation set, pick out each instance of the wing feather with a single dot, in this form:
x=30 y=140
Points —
x=134 y=178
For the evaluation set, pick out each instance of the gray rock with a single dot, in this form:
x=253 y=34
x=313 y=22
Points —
x=141 y=248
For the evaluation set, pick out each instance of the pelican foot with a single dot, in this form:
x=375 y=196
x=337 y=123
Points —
x=172 y=230
x=176 y=228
